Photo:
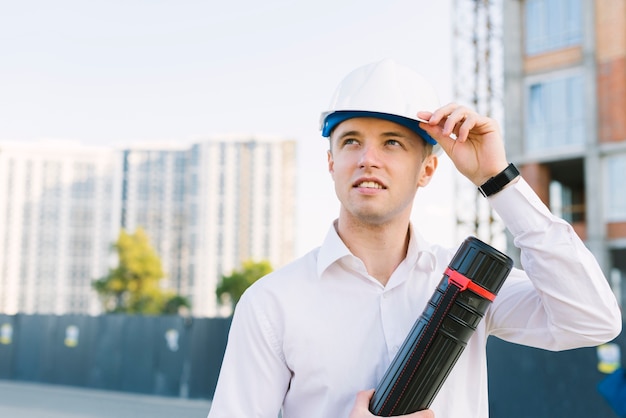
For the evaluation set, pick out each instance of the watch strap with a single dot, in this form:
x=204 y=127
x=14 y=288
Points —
x=497 y=182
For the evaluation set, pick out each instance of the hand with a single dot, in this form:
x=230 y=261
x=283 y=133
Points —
x=478 y=150
x=361 y=407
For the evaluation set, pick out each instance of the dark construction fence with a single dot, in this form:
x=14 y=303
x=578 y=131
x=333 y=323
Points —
x=161 y=355
x=174 y=356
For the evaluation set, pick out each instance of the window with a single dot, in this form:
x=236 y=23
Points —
x=555 y=114
x=552 y=24
x=84 y=181
x=616 y=192
x=566 y=202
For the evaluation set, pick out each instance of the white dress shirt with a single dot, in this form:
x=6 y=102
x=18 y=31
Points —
x=309 y=336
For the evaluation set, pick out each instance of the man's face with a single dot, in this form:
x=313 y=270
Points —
x=377 y=167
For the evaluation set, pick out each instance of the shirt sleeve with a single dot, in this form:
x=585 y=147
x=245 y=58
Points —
x=254 y=377
x=561 y=299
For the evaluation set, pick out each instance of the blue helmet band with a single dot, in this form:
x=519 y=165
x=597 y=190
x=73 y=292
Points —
x=335 y=118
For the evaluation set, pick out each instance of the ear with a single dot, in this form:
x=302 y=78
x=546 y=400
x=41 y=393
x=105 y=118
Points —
x=429 y=166
x=331 y=162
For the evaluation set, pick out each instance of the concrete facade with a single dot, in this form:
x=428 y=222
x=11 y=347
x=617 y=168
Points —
x=565 y=124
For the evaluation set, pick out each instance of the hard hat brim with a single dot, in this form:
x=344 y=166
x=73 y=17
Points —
x=331 y=120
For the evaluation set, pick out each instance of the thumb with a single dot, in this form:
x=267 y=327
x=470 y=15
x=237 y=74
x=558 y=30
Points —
x=427 y=413
x=446 y=142
x=361 y=404
x=363 y=398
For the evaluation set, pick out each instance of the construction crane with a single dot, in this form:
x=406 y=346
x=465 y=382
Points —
x=478 y=83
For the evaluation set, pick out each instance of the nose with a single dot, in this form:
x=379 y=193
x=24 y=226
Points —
x=369 y=157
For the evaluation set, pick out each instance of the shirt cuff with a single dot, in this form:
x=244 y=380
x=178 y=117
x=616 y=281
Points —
x=520 y=208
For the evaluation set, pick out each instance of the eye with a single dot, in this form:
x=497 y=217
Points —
x=393 y=142
x=349 y=141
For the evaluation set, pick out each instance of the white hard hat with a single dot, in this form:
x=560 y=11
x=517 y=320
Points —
x=385 y=90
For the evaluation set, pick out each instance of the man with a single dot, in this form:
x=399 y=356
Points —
x=311 y=337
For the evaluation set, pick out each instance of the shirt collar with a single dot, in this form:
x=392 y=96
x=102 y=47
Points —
x=420 y=252
x=333 y=249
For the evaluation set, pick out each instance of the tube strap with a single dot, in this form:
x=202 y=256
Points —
x=463 y=283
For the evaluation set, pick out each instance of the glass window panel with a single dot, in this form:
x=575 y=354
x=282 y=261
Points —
x=533 y=26
x=536 y=133
x=573 y=25
x=552 y=24
x=555 y=114
x=576 y=104
x=616 y=183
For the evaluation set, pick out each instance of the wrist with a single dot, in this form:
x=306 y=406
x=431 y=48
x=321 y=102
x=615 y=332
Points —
x=498 y=182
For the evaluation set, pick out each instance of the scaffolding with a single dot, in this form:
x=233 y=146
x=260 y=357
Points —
x=478 y=83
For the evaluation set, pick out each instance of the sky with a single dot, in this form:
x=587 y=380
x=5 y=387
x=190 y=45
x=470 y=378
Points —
x=116 y=73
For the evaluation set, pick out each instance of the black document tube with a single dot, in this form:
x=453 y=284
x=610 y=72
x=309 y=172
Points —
x=439 y=336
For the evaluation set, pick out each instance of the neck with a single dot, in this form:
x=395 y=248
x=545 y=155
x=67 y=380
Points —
x=381 y=247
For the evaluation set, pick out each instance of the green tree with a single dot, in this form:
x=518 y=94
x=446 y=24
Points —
x=230 y=288
x=133 y=286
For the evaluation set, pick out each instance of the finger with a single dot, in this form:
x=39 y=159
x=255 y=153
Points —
x=424 y=116
x=427 y=413
x=363 y=398
x=466 y=127
x=445 y=141
x=441 y=114
x=454 y=121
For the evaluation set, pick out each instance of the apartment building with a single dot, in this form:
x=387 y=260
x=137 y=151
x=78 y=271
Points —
x=59 y=209
x=154 y=197
x=210 y=206
x=565 y=115
x=206 y=207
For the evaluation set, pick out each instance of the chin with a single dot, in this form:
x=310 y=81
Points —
x=373 y=219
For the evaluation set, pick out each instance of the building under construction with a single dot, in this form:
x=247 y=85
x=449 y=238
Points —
x=565 y=118
x=553 y=73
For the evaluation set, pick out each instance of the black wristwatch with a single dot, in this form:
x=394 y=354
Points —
x=497 y=182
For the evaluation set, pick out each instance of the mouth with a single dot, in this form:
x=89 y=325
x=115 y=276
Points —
x=369 y=184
